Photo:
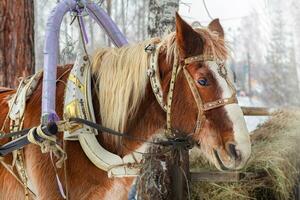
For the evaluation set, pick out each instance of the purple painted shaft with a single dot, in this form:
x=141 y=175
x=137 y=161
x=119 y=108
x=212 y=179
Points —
x=104 y=20
x=51 y=48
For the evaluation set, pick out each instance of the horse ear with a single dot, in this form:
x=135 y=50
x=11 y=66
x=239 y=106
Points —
x=215 y=26
x=189 y=42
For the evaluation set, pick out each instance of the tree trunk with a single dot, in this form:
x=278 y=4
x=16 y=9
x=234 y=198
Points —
x=16 y=40
x=161 y=19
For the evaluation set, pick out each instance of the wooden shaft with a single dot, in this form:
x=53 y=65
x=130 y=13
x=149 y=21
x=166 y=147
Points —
x=256 y=111
x=229 y=176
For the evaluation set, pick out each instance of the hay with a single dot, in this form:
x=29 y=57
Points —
x=275 y=150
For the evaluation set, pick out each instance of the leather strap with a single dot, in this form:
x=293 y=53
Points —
x=198 y=100
x=175 y=71
x=198 y=58
x=218 y=103
x=154 y=76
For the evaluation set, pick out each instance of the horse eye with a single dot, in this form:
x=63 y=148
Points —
x=203 y=82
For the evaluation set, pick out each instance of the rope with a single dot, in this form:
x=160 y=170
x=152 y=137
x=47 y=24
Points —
x=14 y=134
x=47 y=144
x=65 y=173
x=60 y=186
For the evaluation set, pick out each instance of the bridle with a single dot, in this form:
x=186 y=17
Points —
x=155 y=80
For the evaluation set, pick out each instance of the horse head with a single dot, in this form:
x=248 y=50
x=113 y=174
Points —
x=190 y=92
x=204 y=99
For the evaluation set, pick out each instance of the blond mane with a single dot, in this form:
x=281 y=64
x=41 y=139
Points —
x=122 y=79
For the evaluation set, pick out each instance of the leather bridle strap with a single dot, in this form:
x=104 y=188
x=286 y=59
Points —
x=175 y=70
x=202 y=107
x=154 y=76
x=198 y=100
x=218 y=103
x=198 y=58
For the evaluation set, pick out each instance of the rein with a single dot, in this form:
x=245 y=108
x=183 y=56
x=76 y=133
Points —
x=178 y=141
x=155 y=80
x=39 y=134
x=53 y=128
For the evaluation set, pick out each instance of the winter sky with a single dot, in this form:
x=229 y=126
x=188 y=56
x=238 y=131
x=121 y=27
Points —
x=230 y=12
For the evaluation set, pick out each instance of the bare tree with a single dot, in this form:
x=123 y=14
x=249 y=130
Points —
x=16 y=41
x=161 y=19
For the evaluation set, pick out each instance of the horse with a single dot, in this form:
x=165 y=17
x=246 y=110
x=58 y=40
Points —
x=124 y=100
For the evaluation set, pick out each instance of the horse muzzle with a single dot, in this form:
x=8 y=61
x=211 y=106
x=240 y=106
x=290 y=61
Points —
x=230 y=157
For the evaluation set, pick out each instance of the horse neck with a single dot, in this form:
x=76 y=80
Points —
x=149 y=119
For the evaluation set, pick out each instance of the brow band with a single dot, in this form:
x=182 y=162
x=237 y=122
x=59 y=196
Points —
x=199 y=58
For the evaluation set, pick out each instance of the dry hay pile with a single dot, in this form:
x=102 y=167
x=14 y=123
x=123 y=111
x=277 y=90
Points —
x=275 y=150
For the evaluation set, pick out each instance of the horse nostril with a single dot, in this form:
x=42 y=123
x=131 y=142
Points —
x=233 y=151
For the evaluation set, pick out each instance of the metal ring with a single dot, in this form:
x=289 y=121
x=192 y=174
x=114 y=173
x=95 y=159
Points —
x=222 y=70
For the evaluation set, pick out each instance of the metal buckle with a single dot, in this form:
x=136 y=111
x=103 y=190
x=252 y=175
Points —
x=150 y=48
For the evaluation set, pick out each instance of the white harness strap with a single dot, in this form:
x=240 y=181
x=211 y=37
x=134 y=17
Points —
x=17 y=105
x=154 y=75
x=78 y=103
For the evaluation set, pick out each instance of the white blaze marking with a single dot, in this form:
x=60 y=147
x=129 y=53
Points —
x=235 y=114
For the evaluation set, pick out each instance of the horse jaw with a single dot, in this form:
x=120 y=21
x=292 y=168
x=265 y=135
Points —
x=240 y=132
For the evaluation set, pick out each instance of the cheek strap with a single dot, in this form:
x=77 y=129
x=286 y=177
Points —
x=199 y=103
x=202 y=107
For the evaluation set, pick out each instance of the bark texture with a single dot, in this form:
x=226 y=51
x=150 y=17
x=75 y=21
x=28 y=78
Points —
x=161 y=19
x=16 y=40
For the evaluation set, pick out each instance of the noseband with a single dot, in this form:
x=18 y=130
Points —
x=154 y=76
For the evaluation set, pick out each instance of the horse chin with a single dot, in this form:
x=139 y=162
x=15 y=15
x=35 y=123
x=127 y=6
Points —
x=220 y=158
x=218 y=162
x=227 y=164
x=212 y=157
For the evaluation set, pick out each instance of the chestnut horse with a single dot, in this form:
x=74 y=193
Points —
x=128 y=104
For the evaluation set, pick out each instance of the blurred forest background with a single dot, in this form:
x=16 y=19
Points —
x=265 y=42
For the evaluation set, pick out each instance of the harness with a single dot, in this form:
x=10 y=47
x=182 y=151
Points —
x=155 y=80
x=15 y=116
x=78 y=105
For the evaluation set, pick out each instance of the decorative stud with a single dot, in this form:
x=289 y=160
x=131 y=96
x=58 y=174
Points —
x=150 y=72
x=155 y=90
x=149 y=48
x=85 y=58
x=222 y=70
